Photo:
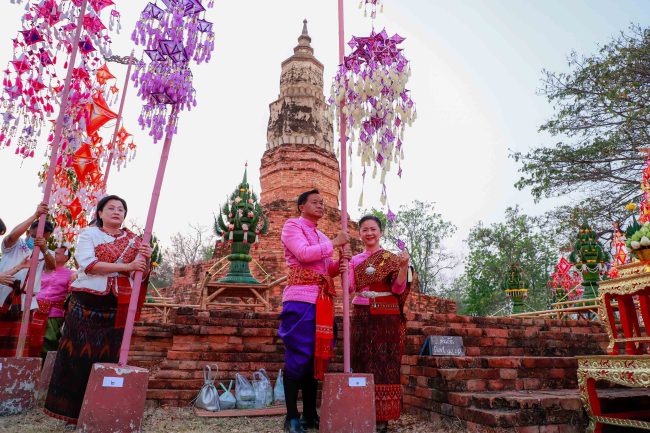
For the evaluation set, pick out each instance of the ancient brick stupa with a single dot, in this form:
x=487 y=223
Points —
x=299 y=153
x=299 y=156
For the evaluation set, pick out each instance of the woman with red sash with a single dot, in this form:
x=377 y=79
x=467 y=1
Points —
x=378 y=278
x=108 y=256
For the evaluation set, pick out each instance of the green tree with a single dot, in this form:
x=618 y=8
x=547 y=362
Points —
x=494 y=249
x=424 y=231
x=602 y=117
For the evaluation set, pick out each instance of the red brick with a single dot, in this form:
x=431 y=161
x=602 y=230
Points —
x=505 y=362
x=476 y=385
x=493 y=332
x=508 y=373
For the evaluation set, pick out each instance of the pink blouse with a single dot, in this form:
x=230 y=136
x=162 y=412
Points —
x=397 y=288
x=307 y=247
x=55 y=286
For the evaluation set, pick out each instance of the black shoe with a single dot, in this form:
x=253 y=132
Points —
x=308 y=423
x=293 y=426
x=382 y=427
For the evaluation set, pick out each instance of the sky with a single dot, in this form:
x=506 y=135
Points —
x=476 y=68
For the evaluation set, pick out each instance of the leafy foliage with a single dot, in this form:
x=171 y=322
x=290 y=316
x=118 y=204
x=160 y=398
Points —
x=602 y=114
x=424 y=231
x=494 y=249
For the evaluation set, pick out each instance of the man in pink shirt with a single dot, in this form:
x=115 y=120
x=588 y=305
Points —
x=307 y=319
x=55 y=286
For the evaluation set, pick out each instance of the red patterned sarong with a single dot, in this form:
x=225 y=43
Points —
x=378 y=332
x=10 y=320
x=324 y=348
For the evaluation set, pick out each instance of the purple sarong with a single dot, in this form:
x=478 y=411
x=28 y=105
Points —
x=298 y=332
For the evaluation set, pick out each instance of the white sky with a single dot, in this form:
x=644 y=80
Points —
x=476 y=67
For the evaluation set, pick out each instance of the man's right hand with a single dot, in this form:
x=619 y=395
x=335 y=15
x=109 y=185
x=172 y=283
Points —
x=341 y=239
x=41 y=209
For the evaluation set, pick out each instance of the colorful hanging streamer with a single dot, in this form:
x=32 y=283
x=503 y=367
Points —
x=172 y=35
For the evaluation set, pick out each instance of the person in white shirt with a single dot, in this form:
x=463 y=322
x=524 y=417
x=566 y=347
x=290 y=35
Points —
x=17 y=250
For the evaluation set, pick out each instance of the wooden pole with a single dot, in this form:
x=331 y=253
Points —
x=151 y=216
x=345 y=282
x=118 y=122
x=31 y=275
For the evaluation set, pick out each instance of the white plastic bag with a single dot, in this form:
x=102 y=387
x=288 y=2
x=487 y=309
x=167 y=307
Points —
x=226 y=399
x=263 y=390
x=278 y=390
x=208 y=397
x=244 y=394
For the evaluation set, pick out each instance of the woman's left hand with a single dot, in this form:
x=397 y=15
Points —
x=404 y=258
x=145 y=251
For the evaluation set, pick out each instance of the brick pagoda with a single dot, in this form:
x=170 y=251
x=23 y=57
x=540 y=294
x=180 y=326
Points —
x=299 y=153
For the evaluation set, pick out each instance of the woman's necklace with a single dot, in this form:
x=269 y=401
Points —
x=370 y=269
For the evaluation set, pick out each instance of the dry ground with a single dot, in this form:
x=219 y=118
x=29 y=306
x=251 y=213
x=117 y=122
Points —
x=173 y=420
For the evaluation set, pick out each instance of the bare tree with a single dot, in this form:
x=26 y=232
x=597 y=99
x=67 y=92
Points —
x=423 y=231
x=190 y=247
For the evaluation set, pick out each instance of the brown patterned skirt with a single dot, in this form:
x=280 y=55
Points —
x=377 y=346
x=89 y=336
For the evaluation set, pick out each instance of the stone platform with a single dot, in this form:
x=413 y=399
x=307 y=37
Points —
x=519 y=374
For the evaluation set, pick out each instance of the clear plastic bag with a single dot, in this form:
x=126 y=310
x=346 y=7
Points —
x=226 y=399
x=263 y=390
x=278 y=390
x=269 y=389
x=244 y=393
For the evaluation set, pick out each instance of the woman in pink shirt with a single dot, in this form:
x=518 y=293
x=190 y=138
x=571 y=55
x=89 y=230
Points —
x=55 y=286
x=378 y=279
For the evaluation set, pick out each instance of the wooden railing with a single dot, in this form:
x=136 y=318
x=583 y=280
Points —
x=580 y=308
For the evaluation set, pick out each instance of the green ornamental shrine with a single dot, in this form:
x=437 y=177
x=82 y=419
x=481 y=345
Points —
x=240 y=223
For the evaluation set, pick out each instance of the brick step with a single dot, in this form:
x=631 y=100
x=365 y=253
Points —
x=505 y=332
x=465 y=373
x=551 y=410
x=504 y=342
x=418 y=320
x=539 y=400
x=525 y=362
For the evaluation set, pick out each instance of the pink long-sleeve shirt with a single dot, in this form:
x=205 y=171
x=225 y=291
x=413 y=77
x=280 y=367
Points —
x=396 y=288
x=55 y=286
x=307 y=247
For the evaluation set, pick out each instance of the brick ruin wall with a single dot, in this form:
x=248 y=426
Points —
x=238 y=341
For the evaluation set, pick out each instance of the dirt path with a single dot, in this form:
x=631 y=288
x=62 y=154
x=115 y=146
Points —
x=174 y=420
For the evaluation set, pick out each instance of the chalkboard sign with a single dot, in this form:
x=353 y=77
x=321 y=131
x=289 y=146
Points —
x=440 y=345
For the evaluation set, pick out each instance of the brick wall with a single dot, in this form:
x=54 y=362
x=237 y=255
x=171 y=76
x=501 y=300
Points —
x=287 y=171
x=243 y=342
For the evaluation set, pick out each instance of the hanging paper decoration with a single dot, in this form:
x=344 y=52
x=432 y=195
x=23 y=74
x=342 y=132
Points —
x=370 y=86
x=620 y=255
x=98 y=114
x=32 y=82
x=172 y=36
x=32 y=90
x=372 y=6
x=565 y=282
x=644 y=211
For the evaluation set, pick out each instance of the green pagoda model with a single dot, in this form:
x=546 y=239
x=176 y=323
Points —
x=240 y=223
x=515 y=288
x=589 y=257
